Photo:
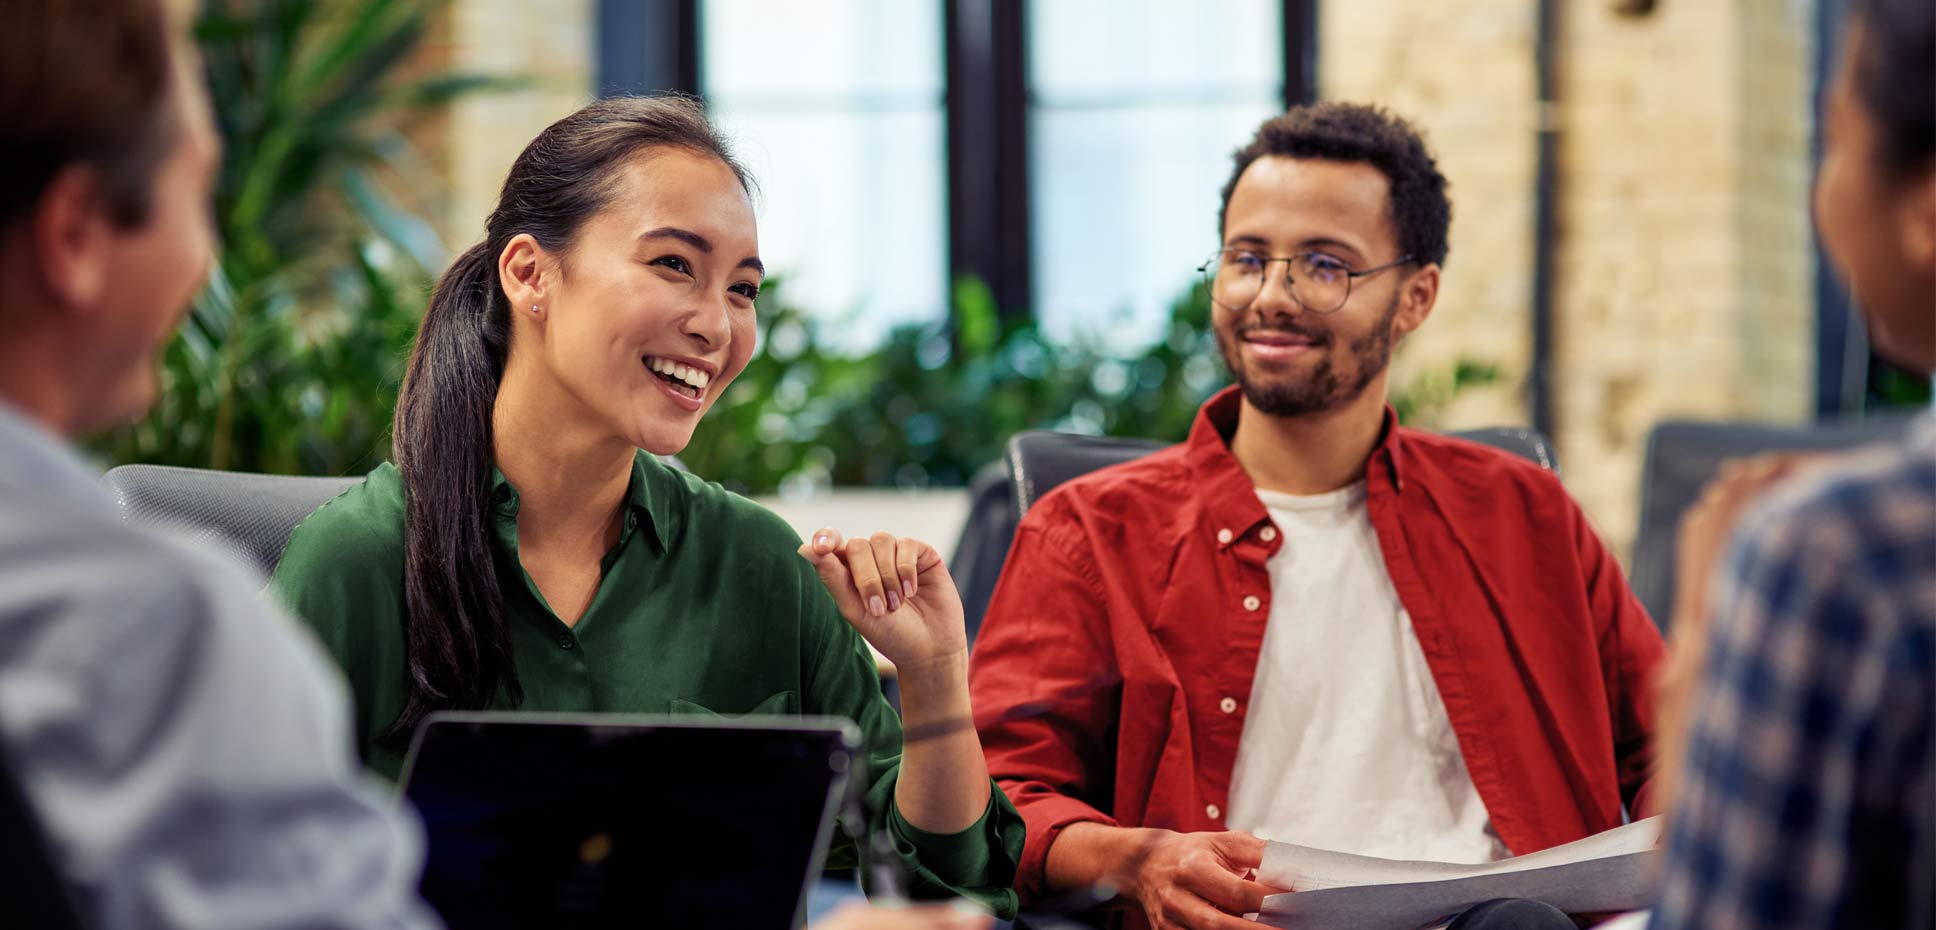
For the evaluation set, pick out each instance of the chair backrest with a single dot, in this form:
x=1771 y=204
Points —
x=1528 y=444
x=1038 y=460
x=1683 y=456
x=250 y=513
x=982 y=547
x=37 y=894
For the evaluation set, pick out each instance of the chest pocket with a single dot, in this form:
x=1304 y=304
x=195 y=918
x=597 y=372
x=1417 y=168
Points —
x=784 y=703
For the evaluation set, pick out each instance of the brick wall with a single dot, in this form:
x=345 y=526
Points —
x=1682 y=261
x=1462 y=72
x=550 y=47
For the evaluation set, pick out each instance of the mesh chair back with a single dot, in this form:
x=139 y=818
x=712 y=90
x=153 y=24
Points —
x=253 y=514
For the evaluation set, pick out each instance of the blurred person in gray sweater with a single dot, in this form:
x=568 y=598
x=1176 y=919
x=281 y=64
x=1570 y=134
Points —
x=184 y=748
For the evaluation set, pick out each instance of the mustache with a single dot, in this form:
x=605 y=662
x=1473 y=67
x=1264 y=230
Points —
x=1290 y=328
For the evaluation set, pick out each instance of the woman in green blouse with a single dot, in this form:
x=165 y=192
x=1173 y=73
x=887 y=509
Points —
x=527 y=550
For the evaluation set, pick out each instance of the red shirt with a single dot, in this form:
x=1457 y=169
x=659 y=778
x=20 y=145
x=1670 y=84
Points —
x=1113 y=670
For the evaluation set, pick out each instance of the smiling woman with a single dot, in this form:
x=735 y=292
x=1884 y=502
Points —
x=528 y=550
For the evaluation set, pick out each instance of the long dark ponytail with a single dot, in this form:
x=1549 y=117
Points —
x=457 y=645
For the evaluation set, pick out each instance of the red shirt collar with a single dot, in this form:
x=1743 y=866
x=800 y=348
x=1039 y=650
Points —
x=1229 y=496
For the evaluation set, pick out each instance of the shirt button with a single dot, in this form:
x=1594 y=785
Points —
x=1223 y=536
x=1251 y=602
x=1227 y=705
x=1269 y=533
x=1214 y=811
x=566 y=642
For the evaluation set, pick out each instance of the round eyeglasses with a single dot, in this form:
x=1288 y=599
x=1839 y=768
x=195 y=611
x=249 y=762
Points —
x=1318 y=282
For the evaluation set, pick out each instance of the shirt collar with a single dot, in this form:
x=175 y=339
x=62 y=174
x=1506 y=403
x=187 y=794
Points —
x=1228 y=494
x=648 y=498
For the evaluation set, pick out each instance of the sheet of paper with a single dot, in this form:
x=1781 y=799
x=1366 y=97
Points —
x=1303 y=868
x=1617 y=883
x=1611 y=871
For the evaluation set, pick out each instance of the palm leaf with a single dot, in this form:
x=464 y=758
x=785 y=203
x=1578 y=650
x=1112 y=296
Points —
x=289 y=359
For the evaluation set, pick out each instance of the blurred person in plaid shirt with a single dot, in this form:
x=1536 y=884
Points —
x=1807 y=790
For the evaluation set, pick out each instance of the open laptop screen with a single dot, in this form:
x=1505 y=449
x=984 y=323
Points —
x=606 y=821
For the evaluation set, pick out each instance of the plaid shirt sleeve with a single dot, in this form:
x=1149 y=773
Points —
x=1809 y=790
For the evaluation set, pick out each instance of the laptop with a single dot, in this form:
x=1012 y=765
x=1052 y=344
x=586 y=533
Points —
x=568 y=820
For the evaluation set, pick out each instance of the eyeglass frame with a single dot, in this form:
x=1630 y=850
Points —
x=1290 y=284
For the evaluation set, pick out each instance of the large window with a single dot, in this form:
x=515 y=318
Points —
x=837 y=107
x=1081 y=145
x=1135 y=107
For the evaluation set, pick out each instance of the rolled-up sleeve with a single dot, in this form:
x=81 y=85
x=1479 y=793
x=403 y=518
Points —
x=977 y=863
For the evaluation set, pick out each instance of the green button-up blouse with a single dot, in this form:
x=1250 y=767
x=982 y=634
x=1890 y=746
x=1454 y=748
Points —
x=704 y=607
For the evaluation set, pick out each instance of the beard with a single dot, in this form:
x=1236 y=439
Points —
x=1325 y=388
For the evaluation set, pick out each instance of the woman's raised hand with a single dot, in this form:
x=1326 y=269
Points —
x=896 y=592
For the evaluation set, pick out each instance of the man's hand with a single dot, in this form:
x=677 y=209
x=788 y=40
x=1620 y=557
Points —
x=1196 y=881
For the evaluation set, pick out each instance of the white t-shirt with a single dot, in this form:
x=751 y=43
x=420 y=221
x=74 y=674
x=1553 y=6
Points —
x=1346 y=745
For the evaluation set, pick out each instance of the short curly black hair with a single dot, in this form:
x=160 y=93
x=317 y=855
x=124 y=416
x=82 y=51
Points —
x=1355 y=132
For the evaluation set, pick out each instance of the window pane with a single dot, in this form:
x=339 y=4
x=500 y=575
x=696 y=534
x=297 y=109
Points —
x=852 y=214
x=831 y=50
x=837 y=109
x=1117 y=49
x=1124 y=209
x=1136 y=106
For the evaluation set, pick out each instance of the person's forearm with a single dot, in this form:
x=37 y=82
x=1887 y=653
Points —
x=1085 y=855
x=944 y=782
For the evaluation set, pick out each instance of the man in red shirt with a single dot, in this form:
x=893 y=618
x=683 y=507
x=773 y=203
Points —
x=1305 y=622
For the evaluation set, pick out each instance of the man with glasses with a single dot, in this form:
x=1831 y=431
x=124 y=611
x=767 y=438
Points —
x=1307 y=623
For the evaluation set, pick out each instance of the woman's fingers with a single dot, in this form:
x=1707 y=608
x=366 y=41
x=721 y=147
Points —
x=893 y=582
x=867 y=576
x=875 y=575
x=833 y=574
x=825 y=541
x=907 y=562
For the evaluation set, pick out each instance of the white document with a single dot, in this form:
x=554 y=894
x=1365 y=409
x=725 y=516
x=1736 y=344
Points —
x=1611 y=871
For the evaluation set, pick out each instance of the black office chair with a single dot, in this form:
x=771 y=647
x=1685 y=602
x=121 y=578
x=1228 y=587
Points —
x=247 y=512
x=1683 y=456
x=982 y=546
x=37 y=895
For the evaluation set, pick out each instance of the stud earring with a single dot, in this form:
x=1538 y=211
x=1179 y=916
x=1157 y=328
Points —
x=534 y=308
